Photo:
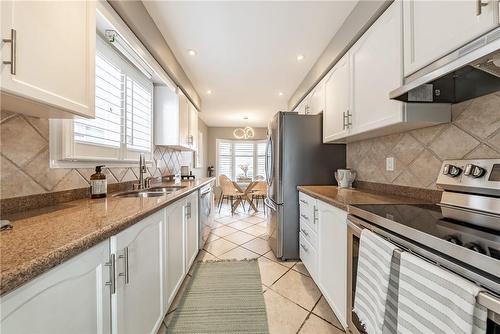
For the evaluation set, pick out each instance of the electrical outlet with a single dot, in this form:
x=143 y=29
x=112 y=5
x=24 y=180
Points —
x=389 y=164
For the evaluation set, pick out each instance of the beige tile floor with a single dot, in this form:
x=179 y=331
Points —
x=293 y=301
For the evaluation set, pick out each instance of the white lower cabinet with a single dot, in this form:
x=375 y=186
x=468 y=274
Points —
x=175 y=268
x=332 y=262
x=137 y=305
x=181 y=242
x=324 y=253
x=191 y=223
x=70 y=298
x=122 y=285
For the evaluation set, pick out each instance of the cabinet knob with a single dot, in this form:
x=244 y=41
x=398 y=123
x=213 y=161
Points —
x=474 y=171
x=451 y=170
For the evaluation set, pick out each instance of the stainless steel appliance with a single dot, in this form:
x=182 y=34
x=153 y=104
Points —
x=471 y=71
x=461 y=233
x=295 y=155
x=206 y=204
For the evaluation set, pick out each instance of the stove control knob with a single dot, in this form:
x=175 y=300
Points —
x=451 y=170
x=475 y=247
x=454 y=240
x=474 y=171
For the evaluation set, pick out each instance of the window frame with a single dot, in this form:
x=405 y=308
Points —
x=233 y=164
x=66 y=152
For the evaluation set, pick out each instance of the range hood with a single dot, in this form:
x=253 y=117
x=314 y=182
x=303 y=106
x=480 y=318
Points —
x=469 y=72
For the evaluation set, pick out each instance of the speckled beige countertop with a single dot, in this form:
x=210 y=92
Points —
x=43 y=238
x=343 y=197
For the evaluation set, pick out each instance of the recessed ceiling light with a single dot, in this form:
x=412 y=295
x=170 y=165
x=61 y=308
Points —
x=280 y=93
x=245 y=117
x=192 y=52
x=300 y=57
x=209 y=92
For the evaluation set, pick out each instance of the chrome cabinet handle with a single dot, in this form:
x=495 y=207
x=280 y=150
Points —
x=344 y=116
x=13 y=47
x=304 y=216
x=315 y=217
x=479 y=6
x=304 y=248
x=111 y=282
x=349 y=115
x=188 y=210
x=125 y=274
x=302 y=201
x=305 y=232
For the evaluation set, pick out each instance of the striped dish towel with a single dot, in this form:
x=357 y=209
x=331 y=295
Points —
x=434 y=300
x=372 y=282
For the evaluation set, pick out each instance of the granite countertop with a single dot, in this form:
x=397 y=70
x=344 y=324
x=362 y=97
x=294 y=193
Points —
x=343 y=197
x=43 y=238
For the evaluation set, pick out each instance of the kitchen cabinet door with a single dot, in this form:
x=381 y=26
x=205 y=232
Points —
x=191 y=228
x=138 y=301
x=317 y=99
x=337 y=101
x=193 y=127
x=376 y=67
x=183 y=121
x=433 y=29
x=175 y=249
x=53 y=70
x=332 y=259
x=70 y=298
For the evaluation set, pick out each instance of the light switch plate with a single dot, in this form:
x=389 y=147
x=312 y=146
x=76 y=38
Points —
x=389 y=164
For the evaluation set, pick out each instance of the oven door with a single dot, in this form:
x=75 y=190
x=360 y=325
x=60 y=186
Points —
x=353 y=235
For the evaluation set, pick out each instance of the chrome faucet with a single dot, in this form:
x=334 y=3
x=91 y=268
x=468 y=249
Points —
x=142 y=170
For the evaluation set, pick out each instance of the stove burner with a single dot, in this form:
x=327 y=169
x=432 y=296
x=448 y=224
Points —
x=454 y=240
x=475 y=247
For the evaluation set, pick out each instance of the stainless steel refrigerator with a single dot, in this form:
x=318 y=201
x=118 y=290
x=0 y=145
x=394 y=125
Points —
x=295 y=155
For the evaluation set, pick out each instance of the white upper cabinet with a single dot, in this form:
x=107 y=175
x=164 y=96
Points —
x=317 y=99
x=138 y=304
x=357 y=103
x=337 y=101
x=376 y=66
x=192 y=127
x=176 y=119
x=53 y=58
x=301 y=108
x=433 y=29
x=71 y=298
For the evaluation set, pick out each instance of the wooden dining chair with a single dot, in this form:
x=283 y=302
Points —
x=259 y=192
x=229 y=193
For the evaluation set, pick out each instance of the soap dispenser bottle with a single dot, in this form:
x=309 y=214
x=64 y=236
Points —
x=98 y=183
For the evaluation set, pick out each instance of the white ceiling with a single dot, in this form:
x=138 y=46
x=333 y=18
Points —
x=247 y=51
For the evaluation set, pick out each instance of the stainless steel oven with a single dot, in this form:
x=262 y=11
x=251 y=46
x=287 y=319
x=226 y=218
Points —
x=488 y=298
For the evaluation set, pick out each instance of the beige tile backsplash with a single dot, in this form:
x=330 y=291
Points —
x=474 y=133
x=24 y=161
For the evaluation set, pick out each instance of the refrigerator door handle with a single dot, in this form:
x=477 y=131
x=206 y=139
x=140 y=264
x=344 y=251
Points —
x=269 y=164
x=270 y=204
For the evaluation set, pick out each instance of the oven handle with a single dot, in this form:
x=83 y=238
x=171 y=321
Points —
x=355 y=228
x=490 y=302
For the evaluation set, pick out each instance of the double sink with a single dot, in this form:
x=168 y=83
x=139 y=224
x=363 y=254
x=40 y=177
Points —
x=150 y=192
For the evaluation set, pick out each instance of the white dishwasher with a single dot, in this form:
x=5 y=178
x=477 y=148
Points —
x=206 y=213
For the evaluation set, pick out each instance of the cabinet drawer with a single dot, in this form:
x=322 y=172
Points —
x=307 y=206
x=308 y=255
x=308 y=234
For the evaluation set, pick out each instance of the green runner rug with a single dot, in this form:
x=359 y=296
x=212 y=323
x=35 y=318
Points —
x=222 y=297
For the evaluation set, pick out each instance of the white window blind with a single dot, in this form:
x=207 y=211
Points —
x=225 y=159
x=261 y=159
x=124 y=107
x=105 y=129
x=233 y=155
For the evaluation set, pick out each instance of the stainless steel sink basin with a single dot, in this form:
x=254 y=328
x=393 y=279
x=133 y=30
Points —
x=150 y=192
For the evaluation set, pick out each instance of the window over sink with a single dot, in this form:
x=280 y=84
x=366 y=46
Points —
x=122 y=128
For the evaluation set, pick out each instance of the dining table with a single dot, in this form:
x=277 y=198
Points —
x=246 y=192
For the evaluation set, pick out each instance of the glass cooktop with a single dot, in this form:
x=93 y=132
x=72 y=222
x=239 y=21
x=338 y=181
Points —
x=428 y=218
